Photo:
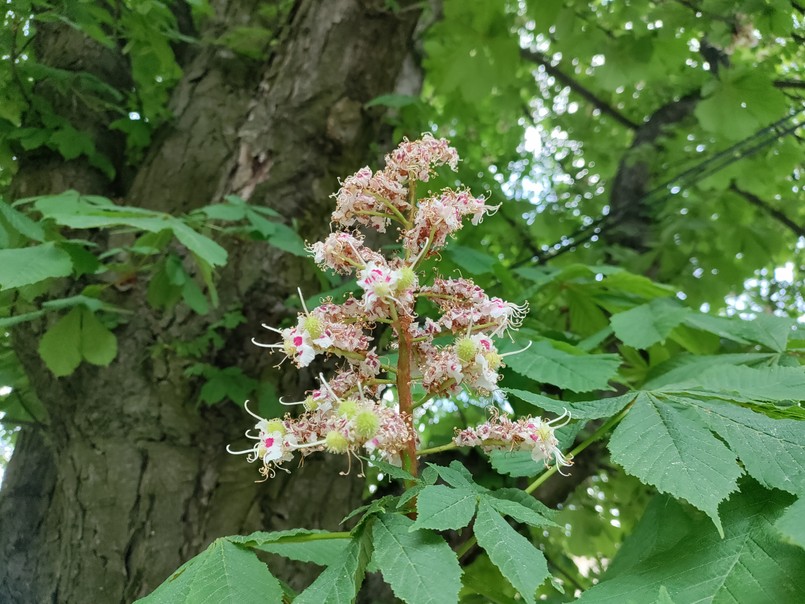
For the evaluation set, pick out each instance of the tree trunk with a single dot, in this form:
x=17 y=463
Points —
x=127 y=478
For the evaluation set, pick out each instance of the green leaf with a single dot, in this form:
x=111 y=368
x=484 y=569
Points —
x=392 y=470
x=296 y=544
x=21 y=223
x=71 y=143
x=773 y=384
x=527 y=500
x=29 y=265
x=288 y=240
x=194 y=298
x=98 y=344
x=742 y=100
x=580 y=373
x=771 y=450
x=605 y=407
x=644 y=326
x=514 y=463
x=457 y=476
x=224 y=572
x=201 y=246
x=60 y=346
x=516 y=557
x=792 y=523
x=664 y=447
x=472 y=260
x=686 y=554
x=516 y=510
x=442 y=508
x=77 y=335
x=339 y=583
x=683 y=367
x=420 y=566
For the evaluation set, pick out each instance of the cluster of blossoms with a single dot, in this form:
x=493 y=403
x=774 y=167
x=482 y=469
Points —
x=531 y=434
x=347 y=413
x=330 y=424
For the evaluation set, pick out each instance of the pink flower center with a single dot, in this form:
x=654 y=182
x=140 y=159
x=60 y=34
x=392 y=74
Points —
x=268 y=442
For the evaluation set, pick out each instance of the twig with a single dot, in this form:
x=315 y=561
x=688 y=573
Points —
x=582 y=91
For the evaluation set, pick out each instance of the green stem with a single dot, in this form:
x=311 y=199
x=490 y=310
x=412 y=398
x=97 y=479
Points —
x=397 y=214
x=439 y=449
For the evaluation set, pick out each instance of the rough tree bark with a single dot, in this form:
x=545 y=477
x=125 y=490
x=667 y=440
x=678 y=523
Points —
x=127 y=479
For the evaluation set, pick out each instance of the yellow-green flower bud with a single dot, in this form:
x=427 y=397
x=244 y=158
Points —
x=466 y=350
x=314 y=326
x=311 y=404
x=336 y=442
x=407 y=278
x=494 y=359
x=366 y=424
x=348 y=408
x=275 y=425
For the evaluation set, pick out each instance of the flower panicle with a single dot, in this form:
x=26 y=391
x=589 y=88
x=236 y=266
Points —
x=346 y=414
x=533 y=434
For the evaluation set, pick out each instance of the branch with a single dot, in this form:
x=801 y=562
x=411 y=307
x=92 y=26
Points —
x=585 y=93
x=789 y=84
x=798 y=230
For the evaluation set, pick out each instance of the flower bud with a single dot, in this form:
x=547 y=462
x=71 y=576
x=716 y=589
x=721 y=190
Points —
x=366 y=424
x=407 y=278
x=494 y=359
x=466 y=350
x=336 y=442
x=314 y=326
x=275 y=425
x=348 y=408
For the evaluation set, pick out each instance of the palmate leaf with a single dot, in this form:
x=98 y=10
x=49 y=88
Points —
x=340 y=582
x=663 y=446
x=683 y=367
x=517 y=558
x=580 y=373
x=420 y=566
x=440 y=507
x=772 y=450
x=223 y=573
x=596 y=409
x=792 y=523
x=324 y=551
x=748 y=384
x=671 y=547
x=77 y=335
x=645 y=325
x=29 y=265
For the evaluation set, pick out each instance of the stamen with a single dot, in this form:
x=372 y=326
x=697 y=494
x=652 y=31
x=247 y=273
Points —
x=313 y=444
x=565 y=416
x=357 y=253
x=421 y=252
x=330 y=390
x=282 y=402
x=229 y=450
x=349 y=466
x=274 y=329
x=261 y=345
x=302 y=300
x=249 y=411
